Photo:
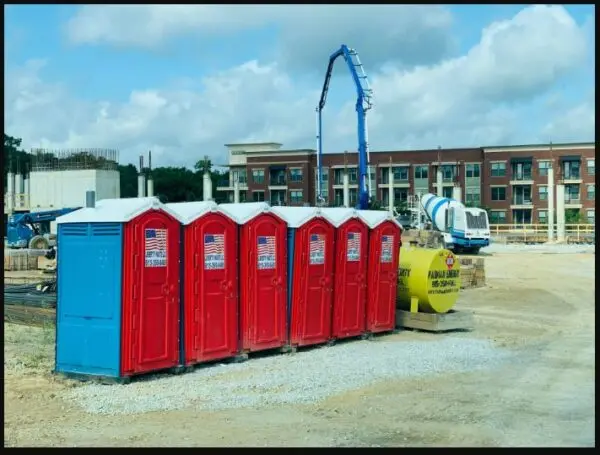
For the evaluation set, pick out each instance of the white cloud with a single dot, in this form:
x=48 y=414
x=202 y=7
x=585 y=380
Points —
x=479 y=98
x=410 y=34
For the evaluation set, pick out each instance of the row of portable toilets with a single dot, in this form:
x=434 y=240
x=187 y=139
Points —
x=145 y=286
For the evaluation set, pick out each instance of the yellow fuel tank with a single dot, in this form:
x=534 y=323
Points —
x=431 y=276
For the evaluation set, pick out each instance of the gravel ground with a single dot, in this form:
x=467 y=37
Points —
x=539 y=248
x=303 y=378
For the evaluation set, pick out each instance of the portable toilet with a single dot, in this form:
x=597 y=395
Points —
x=310 y=259
x=382 y=269
x=210 y=282
x=350 y=272
x=117 y=312
x=263 y=275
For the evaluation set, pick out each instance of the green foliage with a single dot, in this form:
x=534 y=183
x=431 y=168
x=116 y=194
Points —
x=14 y=156
x=574 y=216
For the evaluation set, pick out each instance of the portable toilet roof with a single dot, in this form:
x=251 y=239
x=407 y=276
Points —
x=374 y=218
x=115 y=211
x=189 y=212
x=298 y=216
x=338 y=215
x=243 y=212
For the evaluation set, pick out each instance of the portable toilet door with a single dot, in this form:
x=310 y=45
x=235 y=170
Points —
x=385 y=240
x=310 y=274
x=118 y=289
x=263 y=276
x=210 y=282
x=350 y=273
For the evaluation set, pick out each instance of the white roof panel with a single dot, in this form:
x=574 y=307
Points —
x=243 y=212
x=296 y=216
x=374 y=218
x=115 y=211
x=189 y=212
x=338 y=215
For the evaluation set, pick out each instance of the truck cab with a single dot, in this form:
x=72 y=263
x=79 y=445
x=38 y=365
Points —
x=467 y=228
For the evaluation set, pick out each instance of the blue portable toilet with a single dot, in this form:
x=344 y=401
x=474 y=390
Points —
x=117 y=312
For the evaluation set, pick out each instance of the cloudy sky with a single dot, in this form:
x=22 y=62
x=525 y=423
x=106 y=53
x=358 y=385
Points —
x=184 y=80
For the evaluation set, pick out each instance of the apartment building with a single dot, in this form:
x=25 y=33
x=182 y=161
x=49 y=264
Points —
x=510 y=181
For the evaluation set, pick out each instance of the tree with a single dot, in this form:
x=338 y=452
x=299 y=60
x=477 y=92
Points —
x=203 y=164
x=15 y=159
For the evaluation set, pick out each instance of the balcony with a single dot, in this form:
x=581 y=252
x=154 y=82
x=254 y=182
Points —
x=572 y=176
x=227 y=185
x=278 y=180
x=524 y=178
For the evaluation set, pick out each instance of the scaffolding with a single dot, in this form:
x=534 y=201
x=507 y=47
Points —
x=73 y=159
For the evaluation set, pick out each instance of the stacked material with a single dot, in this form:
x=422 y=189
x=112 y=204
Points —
x=30 y=304
x=20 y=260
x=472 y=272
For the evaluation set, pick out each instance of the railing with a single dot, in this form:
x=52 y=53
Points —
x=224 y=183
x=277 y=181
x=522 y=177
x=539 y=232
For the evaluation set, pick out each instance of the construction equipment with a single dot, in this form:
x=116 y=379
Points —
x=451 y=225
x=32 y=230
x=364 y=102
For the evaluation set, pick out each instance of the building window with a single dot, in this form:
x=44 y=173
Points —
x=591 y=192
x=338 y=197
x=295 y=175
x=473 y=197
x=543 y=216
x=295 y=197
x=591 y=216
x=591 y=166
x=352 y=175
x=240 y=176
x=543 y=167
x=499 y=193
x=400 y=173
x=353 y=196
x=571 y=194
x=571 y=170
x=400 y=195
x=277 y=197
x=472 y=170
x=498 y=169
x=521 y=195
x=447 y=192
x=421 y=172
x=521 y=171
x=448 y=172
x=521 y=216
x=258 y=196
x=543 y=193
x=497 y=217
x=258 y=176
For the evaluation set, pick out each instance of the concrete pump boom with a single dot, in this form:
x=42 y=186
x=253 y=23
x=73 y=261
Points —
x=364 y=102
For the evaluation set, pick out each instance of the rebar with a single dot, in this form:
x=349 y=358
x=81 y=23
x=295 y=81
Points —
x=73 y=159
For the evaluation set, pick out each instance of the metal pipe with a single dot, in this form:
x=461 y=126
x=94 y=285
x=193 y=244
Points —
x=90 y=199
x=391 y=189
x=319 y=151
x=236 y=191
x=346 y=190
x=150 y=184
x=207 y=186
x=10 y=192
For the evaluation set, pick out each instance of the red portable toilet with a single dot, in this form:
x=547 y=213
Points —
x=350 y=274
x=118 y=293
x=310 y=259
x=382 y=269
x=263 y=275
x=210 y=282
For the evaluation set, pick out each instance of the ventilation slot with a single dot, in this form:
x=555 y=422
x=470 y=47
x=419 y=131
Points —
x=80 y=230
x=106 y=229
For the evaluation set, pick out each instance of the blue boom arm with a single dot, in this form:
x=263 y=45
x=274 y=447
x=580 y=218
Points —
x=363 y=104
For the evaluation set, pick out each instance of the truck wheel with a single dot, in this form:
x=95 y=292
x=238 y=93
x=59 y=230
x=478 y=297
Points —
x=38 y=242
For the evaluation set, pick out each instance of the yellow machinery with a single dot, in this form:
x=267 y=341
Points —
x=428 y=280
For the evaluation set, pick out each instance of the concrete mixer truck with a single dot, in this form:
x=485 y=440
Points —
x=462 y=229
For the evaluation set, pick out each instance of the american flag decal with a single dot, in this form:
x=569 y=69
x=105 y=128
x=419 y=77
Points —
x=214 y=251
x=265 y=252
x=387 y=246
x=353 y=247
x=155 y=246
x=317 y=249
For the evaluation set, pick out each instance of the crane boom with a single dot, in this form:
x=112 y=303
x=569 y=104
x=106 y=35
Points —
x=364 y=102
